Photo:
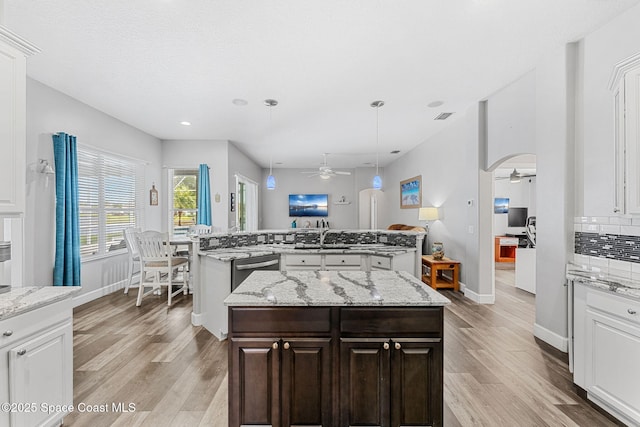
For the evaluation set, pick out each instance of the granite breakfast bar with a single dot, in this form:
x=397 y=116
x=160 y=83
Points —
x=335 y=348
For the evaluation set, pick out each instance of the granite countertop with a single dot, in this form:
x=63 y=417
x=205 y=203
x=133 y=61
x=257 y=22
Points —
x=607 y=281
x=334 y=288
x=229 y=254
x=20 y=300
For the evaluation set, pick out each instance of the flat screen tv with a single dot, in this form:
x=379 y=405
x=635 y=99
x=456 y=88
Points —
x=517 y=217
x=308 y=205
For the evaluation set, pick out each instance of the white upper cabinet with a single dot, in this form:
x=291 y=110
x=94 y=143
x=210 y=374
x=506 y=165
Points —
x=13 y=58
x=625 y=85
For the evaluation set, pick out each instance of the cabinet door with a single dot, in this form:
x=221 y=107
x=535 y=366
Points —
x=632 y=139
x=40 y=372
x=416 y=382
x=254 y=382
x=612 y=375
x=364 y=382
x=306 y=382
x=12 y=129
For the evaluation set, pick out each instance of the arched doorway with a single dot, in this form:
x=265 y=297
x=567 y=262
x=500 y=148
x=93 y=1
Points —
x=513 y=225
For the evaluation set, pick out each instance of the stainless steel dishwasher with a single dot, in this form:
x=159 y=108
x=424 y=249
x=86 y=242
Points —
x=242 y=268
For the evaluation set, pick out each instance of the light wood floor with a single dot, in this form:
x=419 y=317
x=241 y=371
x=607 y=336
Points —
x=496 y=373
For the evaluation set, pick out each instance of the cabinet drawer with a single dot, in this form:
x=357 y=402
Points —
x=616 y=305
x=304 y=260
x=23 y=325
x=279 y=320
x=341 y=259
x=391 y=321
x=380 y=262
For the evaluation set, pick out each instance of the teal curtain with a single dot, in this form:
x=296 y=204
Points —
x=204 y=196
x=66 y=271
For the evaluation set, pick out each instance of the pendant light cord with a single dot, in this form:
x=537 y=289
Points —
x=377 y=138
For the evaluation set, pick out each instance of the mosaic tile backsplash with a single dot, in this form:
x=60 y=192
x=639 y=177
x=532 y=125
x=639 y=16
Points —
x=308 y=237
x=611 y=246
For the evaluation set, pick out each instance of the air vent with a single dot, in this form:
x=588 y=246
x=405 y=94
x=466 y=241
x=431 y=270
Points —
x=443 y=116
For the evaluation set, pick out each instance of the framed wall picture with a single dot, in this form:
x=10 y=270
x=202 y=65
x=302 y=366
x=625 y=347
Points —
x=153 y=196
x=501 y=205
x=411 y=193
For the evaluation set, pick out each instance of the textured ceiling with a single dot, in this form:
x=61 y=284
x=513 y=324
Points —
x=154 y=63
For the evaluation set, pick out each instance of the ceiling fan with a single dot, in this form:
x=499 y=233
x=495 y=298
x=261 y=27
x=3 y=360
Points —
x=325 y=171
x=515 y=176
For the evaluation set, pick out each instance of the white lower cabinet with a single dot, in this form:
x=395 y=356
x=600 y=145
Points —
x=36 y=361
x=362 y=262
x=342 y=261
x=301 y=262
x=607 y=350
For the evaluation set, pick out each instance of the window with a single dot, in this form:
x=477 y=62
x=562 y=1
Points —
x=183 y=208
x=110 y=189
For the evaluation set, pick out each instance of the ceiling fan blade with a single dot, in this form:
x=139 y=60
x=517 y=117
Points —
x=342 y=173
x=313 y=172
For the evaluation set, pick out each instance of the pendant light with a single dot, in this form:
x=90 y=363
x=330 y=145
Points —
x=271 y=180
x=377 y=181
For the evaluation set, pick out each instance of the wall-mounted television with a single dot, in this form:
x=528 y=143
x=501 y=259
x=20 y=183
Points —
x=308 y=205
x=517 y=217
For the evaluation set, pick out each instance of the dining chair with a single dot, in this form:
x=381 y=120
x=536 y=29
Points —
x=199 y=229
x=134 y=256
x=158 y=260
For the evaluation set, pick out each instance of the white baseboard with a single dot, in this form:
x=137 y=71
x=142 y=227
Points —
x=95 y=294
x=196 y=319
x=551 y=338
x=476 y=297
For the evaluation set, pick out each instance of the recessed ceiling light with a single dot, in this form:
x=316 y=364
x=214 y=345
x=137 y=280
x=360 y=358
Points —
x=278 y=163
x=185 y=123
x=435 y=104
x=395 y=151
x=239 y=102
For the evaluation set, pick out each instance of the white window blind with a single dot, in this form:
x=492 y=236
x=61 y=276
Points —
x=111 y=193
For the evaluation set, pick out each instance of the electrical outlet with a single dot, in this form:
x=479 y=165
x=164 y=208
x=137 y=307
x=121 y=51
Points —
x=471 y=229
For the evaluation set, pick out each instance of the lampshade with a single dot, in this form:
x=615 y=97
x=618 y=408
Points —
x=428 y=214
x=271 y=182
x=377 y=182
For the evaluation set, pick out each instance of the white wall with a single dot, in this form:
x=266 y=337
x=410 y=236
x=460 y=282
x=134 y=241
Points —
x=511 y=116
x=555 y=79
x=189 y=155
x=448 y=163
x=275 y=203
x=48 y=112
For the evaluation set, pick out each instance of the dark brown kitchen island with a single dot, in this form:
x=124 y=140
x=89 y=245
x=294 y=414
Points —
x=335 y=348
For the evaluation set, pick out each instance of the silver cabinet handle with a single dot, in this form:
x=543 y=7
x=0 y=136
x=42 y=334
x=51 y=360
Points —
x=22 y=352
x=286 y=346
x=385 y=346
x=7 y=333
x=631 y=311
x=398 y=346
x=274 y=345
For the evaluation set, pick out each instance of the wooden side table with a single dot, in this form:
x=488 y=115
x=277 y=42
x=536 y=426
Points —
x=435 y=278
